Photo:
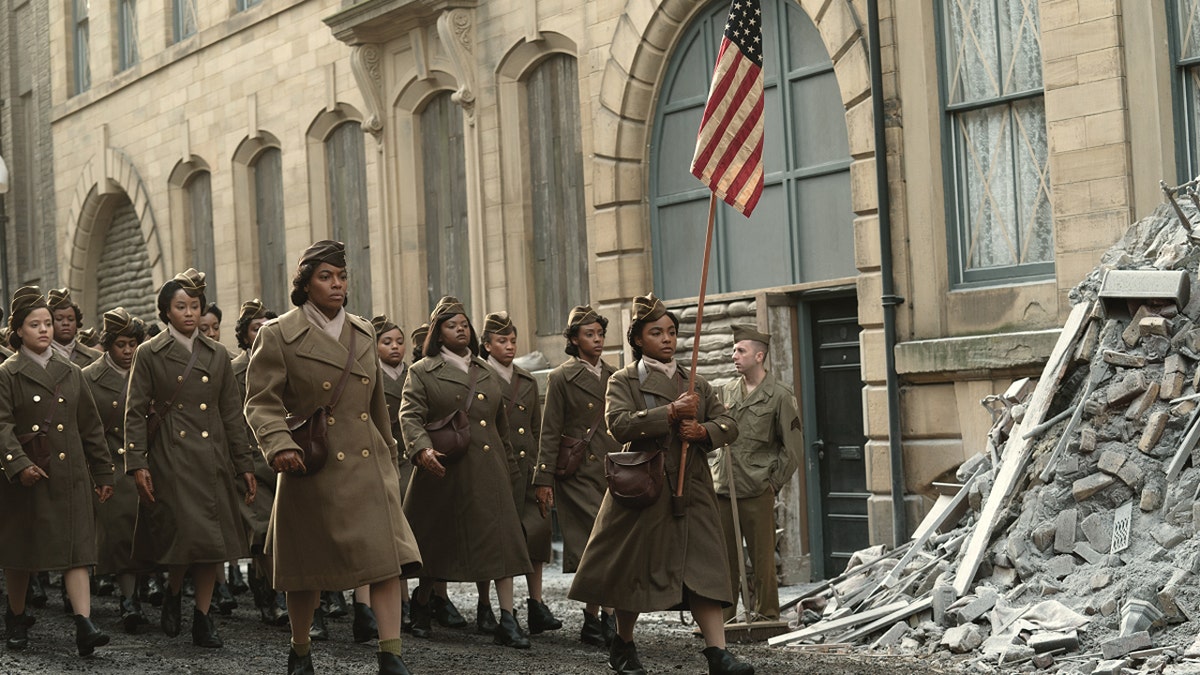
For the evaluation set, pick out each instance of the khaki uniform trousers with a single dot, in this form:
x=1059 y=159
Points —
x=757 y=517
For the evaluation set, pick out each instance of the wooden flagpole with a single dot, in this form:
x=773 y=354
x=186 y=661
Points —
x=677 y=502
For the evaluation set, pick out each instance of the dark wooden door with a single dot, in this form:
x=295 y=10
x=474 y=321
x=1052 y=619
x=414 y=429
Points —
x=840 y=444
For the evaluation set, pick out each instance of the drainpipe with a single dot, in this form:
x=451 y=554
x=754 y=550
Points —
x=890 y=299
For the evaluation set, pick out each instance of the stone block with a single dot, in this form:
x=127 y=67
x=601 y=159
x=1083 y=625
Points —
x=1111 y=461
x=963 y=639
x=1042 y=661
x=1152 y=496
x=1184 y=408
x=1124 y=359
x=1167 y=535
x=1154 y=325
x=1131 y=334
x=1060 y=566
x=1043 y=536
x=1086 y=487
x=1141 y=405
x=943 y=596
x=1114 y=648
x=1127 y=388
x=1101 y=580
x=1167 y=597
x=1131 y=474
x=893 y=634
x=1049 y=641
x=1174 y=363
x=1111 y=667
x=1153 y=431
x=1064 y=531
x=1085 y=551
x=976 y=608
x=1087 y=440
x=1098 y=530
x=1172 y=386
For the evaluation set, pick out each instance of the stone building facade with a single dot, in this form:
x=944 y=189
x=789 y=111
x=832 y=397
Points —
x=532 y=154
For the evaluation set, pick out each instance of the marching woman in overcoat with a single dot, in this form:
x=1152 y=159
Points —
x=251 y=317
x=647 y=559
x=108 y=379
x=574 y=410
x=187 y=469
x=499 y=347
x=462 y=509
x=390 y=345
x=340 y=525
x=53 y=457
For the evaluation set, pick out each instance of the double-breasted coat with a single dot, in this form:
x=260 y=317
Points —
x=466 y=522
x=343 y=526
x=256 y=516
x=84 y=356
x=524 y=428
x=644 y=560
x=574 y=405
x=393 y=392
x=117 y=516
x=197 y=458
x=52 y=524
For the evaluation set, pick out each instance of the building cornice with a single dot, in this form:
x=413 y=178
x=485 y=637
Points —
x=374 y=21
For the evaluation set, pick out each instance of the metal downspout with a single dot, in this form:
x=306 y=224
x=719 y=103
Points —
x=889 y=299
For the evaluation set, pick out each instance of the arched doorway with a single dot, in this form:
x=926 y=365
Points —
x=121 y=271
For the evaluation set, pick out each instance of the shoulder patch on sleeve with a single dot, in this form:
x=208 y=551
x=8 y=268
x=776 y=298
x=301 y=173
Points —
x=795 y=424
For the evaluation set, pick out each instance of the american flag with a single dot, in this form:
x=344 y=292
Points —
x=729 y=147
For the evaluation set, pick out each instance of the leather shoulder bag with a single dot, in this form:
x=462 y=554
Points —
x=635 y=478
x=451 y=435
x=154 y=418
x=571 y=451
x=36 y=445
x=311 y=432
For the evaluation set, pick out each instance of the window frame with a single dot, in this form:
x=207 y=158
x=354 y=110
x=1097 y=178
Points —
x=356 y=230
x=1187 y=126
x=178 y=25
x=953 y=174
x=243 y=5
x=81 y=76
x=128 y=53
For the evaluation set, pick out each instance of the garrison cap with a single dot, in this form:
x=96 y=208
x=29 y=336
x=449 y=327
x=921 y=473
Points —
x=191 y=281
x=118 y=321
x=447 y=306
x=648 y=308
x=252 y=309
x=25 y=300
x=87 y=336
x=324 y=251
x=498 y=323
x=59 y=298
x=382 y=324
x=746 y=331
x=420 y=333
x=582 y=315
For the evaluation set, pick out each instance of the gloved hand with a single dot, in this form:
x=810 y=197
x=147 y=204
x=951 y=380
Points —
x=288 y=461
x=692 y=431
x=684 y=407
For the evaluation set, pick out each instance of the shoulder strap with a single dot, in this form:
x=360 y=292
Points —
x=341 y=385
x=516 y=389
x=183 y=380
x=595 y=425
x=474 y=369
x=53 y=406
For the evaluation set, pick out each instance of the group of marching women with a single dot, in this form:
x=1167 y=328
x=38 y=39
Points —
x=331 y=462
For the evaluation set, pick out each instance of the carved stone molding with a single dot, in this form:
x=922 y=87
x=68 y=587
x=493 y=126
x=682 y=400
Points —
x=366 y=64
x=457 y=31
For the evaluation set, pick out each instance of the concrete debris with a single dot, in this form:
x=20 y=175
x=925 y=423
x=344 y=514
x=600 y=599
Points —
x=1075 y=550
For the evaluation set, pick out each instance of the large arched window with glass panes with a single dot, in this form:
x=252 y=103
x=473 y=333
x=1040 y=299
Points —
x=443 y=161
x=803 y=228
x=1185 y=47
x=346 y=179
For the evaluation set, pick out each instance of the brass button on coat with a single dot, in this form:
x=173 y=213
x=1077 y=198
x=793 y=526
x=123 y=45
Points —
x=182 y=433
x=486 y=447
x=521 y=431
x=326 y=385
x=114 y=404
x=366 y=452
x=479 y=396
x=341 y=456
x=62 y=400
x=203 y=434
x=204 y=406
x=204 y=378
x=36 y=427
x=522 y=453
x=120 y=451
x=520 y=407
x=62 y=456
x=592 y=457
x=331 y=421
x=483 y=423
x=366 y=380
x=60 y=427
x=591 y=405
x=36 y=398
x=8 y=458
x=364 y=417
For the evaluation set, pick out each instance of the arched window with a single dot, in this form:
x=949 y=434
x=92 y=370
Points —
x=273 y=268
x=346 y=171
x=802 y=229
x=200 y=228
x=560 y=247
x=443 y=161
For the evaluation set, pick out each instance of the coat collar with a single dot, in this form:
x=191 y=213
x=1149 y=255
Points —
x=658 y=384
x=104 y=376
x=164 y=344
x=576 y=373
x=312 y=343
x=444 y=371
x=762 y=392
x=49 y=377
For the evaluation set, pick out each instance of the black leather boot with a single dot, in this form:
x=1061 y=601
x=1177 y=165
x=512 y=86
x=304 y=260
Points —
x=334 y=603
x=172 y=610
x=223 y=599
x=608 y=626
x=406 y=616
x=132 y=617
x=204 y=630
x=721 y=662
x=541 y=619
x=422 y=618
x=87 y=636
x=318 y=631
x=105 y=585
x=508 y=632
x=236 y=580
x=391 y=664
x=485 y=619
x=17 y=628
x=593 y=631
x=151 y=590
x=364 y=627
x=36 y=596
x=445 y=612
x=300 y=665
x=623 y=658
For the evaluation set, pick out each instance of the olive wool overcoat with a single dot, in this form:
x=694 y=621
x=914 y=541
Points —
x=575 y=404
x=52 y=524
x=343 y=526
x=255 y=516
x=117 y=516
x=643 y=560
x=197 y=458
x=524 y=428
x=466 y=522
x=393 y=392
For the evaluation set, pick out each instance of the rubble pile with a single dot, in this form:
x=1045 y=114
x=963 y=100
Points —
x=1070 y=544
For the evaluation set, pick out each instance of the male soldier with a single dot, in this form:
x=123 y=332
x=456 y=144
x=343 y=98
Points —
x=763 y=458
x=67 y=318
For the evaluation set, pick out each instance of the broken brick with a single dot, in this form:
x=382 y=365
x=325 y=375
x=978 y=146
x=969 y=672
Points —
x=1131 y=475
x=1064 y=531
x=1132 y=333
x=1098 y=529
x=1167 y=535
x=1087 y=486
x=1087 y=440
x=1154 y=325
x=1123 y=644
x=1141 y=405
x=1085 y=551
x=1127 y=388
x=1124 y=360
x=1111 y=461
x=1172 y=386
x=1153 y=431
